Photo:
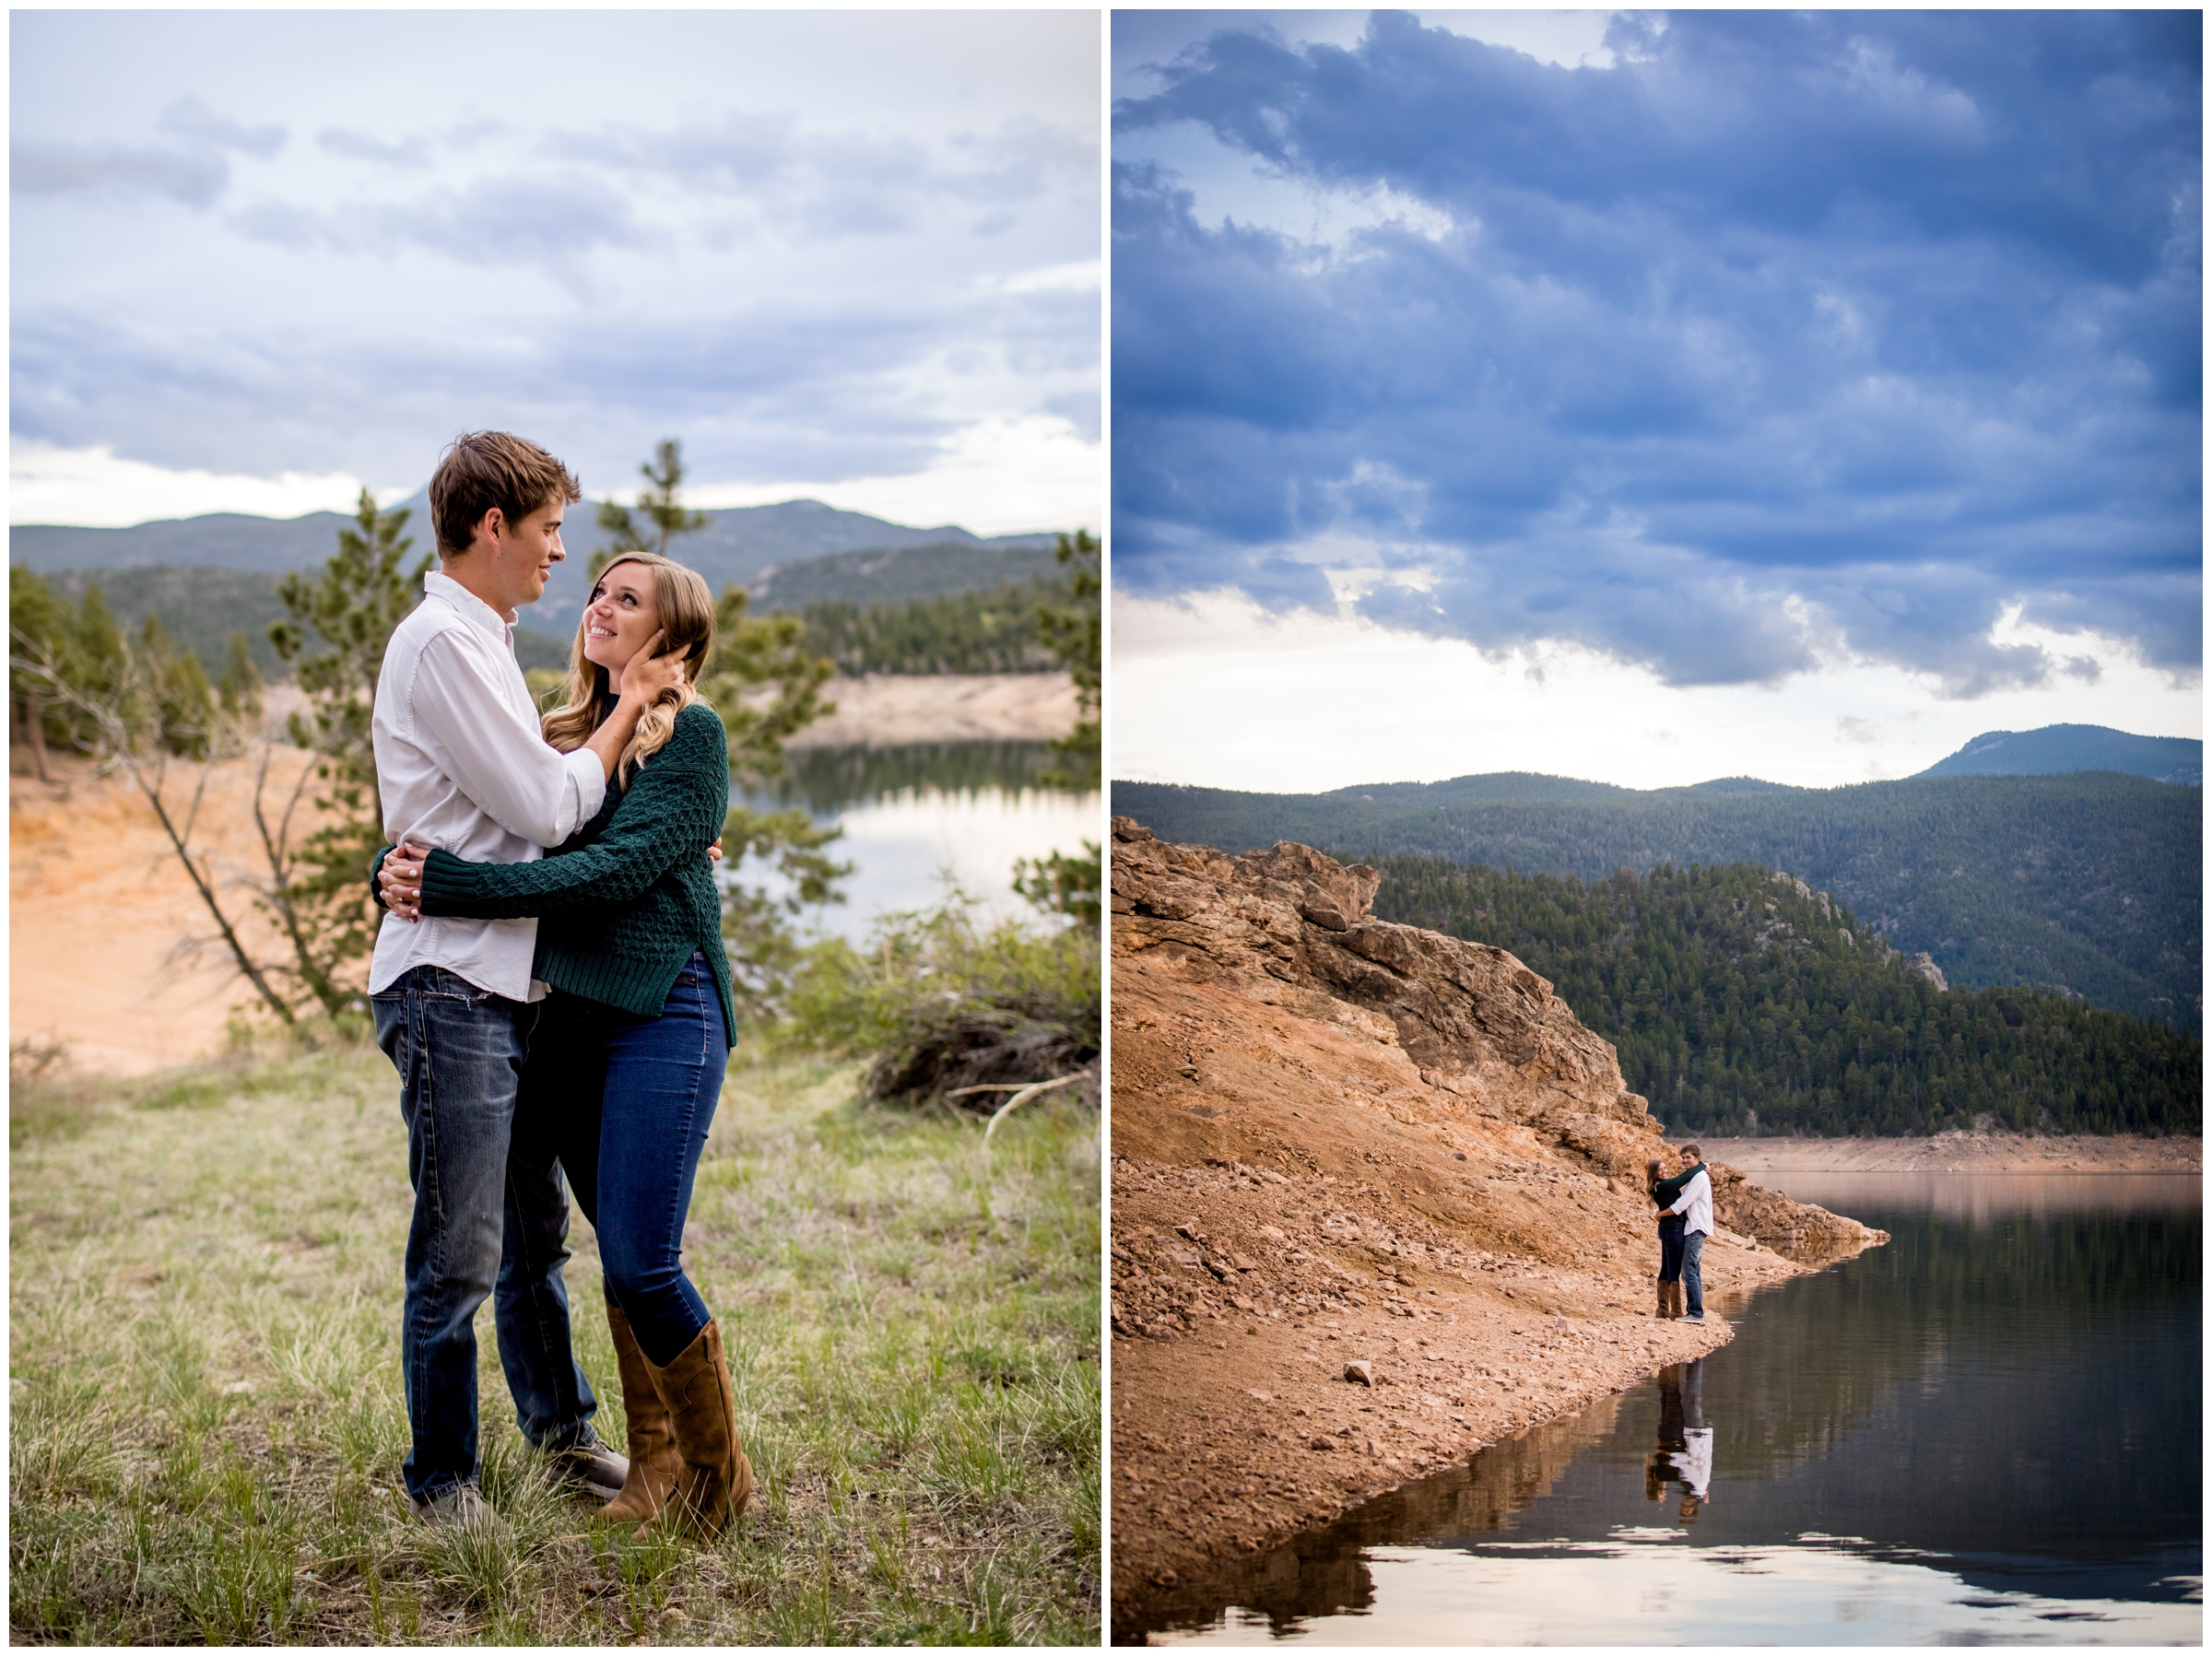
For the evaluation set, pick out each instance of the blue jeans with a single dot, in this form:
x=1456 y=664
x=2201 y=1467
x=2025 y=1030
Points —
x=490 y=1221
x=1693 y=1249
x=631 y=1099
x=1670 y=1252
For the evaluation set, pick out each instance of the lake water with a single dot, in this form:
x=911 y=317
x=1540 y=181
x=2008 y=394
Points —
x=911 y=813
x=1989 y=1431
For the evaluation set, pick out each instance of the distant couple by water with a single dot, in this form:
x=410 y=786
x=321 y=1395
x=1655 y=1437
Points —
x=550 y=982
x=1685 y=1204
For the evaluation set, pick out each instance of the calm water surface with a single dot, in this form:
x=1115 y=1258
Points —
x=911 y=814
x=1988 y=1432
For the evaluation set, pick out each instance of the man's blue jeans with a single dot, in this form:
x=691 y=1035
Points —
x=490 y=1221
x=631 y=1099
x=1693 y=1282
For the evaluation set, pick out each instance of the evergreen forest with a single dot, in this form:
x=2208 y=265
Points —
x=993 y=631
x=1743 y=1003
x=2088 y=884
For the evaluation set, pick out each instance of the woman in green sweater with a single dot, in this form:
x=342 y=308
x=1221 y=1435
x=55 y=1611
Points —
x=1666 y=1192
x=626 y=1059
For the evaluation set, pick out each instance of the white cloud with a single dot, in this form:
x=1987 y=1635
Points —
x=92 y=487
x=1320 y=701
x=997 y=477
x=593 y=261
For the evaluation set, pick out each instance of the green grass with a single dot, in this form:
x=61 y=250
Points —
x=206 y=1424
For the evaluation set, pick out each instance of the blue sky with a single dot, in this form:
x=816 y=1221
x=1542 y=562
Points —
x=1820 y=389
x=261 y=258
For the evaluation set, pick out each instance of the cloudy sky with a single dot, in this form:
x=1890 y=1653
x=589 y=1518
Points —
x=1650 y=398
x=261 y=258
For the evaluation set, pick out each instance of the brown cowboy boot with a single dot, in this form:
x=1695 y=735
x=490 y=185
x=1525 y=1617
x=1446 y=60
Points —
x=655 y=1467
x=1675 y=1302
x=716 y=1480
x=1666 y=1299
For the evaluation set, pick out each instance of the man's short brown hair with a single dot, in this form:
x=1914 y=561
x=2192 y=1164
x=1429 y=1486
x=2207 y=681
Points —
x=484 y=469
x=1694 y=1151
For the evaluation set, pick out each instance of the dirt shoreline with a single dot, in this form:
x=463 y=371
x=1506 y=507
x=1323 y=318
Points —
x=1243 y=1431
x=1378 y=1204
x=1962 y=1153
x=893 y=709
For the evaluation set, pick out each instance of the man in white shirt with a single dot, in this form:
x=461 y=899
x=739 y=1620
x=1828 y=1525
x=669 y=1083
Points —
x=1695 y=1206
x=461 y=764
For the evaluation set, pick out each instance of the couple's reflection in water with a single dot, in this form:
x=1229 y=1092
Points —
x=1685 y=1452
x=1325 y=1571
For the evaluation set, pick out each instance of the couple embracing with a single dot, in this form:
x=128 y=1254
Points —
x=550 y=1013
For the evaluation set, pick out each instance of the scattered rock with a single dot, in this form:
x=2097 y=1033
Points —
x=1318 y=1441
x=1361 y=1373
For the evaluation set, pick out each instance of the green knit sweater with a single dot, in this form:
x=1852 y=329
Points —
x=1668 y=1191
x=622 y=905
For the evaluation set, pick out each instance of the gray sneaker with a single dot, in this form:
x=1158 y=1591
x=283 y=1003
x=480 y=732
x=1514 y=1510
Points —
x=589 y=1465
x=459 y=1508
x=1692 y=1317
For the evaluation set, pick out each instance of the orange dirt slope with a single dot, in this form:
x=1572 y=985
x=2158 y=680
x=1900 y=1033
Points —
x=1340 y=1143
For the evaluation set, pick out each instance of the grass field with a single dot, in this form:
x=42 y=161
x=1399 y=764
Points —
x=206 y=1424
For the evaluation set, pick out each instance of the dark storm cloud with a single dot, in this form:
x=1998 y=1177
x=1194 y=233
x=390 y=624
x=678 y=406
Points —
x=1787 y=330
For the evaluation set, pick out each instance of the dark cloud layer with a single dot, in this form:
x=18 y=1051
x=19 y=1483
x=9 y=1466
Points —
x=1786 y=331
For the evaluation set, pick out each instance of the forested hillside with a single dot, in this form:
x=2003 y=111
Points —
x=886 y=575
x=1743 y=1002
x=201 y=607
x=2089 y=883
x=991 y=631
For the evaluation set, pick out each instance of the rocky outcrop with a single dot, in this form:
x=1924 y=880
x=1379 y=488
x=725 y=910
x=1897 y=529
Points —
x=1925 y=964
x=1285 y=926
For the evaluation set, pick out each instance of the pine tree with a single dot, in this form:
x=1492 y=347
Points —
x=1073 y=634
x=240 y=686
x=1059 y=883
x=661 y=501
x=320 y=892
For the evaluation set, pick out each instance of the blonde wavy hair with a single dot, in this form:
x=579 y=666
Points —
x=687 y=615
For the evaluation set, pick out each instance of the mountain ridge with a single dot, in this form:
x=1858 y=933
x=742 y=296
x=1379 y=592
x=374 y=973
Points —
x=2052 y=749
x=2089 y=883
x=735 y=547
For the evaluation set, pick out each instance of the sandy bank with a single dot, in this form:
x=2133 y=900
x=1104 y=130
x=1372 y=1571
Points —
x=1961 y=1153
x=108 y=942
x=890 y=709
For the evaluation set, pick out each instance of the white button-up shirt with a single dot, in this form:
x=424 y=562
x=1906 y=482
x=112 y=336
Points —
x=462 y=766
x=1695 y=1206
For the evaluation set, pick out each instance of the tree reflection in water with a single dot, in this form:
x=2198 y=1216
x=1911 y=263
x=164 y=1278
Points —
x=2008 y=1396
